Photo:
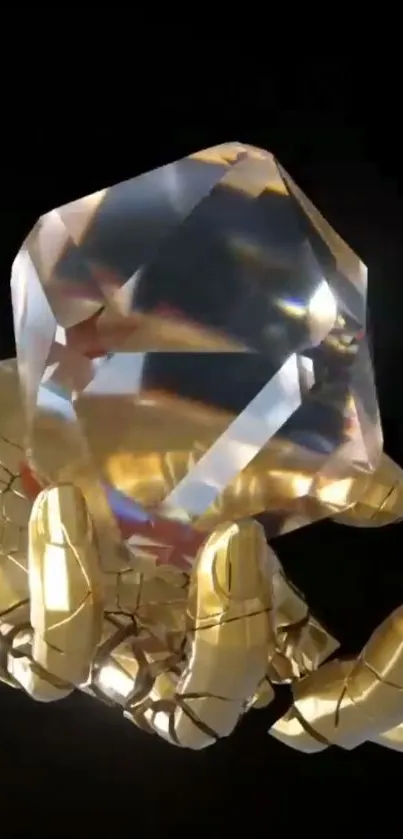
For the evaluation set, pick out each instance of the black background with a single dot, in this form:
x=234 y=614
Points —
x=77 y=765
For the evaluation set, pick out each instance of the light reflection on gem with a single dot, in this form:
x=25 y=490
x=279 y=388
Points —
x=219 y=253
x=124 y=507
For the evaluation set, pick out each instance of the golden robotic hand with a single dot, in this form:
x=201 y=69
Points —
x=351 y=701
x=184 y=655
x=184 y=658
x=181 y=659
x=347 y=702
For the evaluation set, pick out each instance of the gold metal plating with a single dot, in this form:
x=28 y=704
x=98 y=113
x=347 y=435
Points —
x=64 y=582
x=183 y=655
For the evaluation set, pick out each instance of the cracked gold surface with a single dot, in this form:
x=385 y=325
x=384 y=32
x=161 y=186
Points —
x=183 y=655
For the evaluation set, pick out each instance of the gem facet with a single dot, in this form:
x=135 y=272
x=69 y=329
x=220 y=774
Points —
x=195 y=339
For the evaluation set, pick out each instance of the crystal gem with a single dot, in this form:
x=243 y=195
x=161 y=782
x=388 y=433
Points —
x=195 y=338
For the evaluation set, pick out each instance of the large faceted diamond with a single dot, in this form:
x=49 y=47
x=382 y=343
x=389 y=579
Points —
x=194 y=339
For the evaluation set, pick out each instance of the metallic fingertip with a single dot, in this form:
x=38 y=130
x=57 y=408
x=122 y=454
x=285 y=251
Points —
x=289 y=730
x=245 y=550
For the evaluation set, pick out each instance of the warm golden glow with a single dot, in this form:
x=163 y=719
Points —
x=53 y=520
x=322 y=311
x=55 y=580
x=112 y=679
x=337 y=493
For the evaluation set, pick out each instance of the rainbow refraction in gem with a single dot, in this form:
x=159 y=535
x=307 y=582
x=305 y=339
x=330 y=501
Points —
x=197 y=334
x=161 y=541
